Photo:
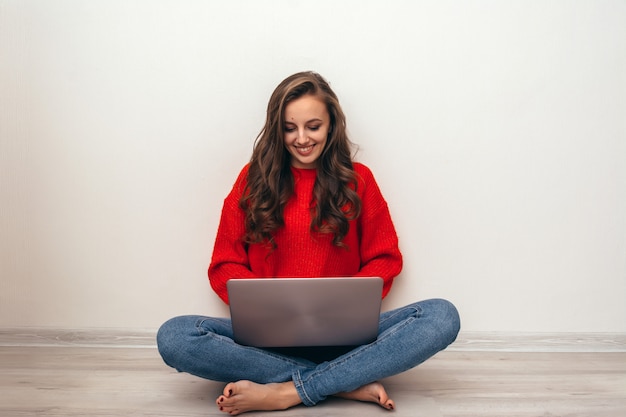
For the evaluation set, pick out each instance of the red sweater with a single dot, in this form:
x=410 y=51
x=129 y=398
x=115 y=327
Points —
x=372 y=243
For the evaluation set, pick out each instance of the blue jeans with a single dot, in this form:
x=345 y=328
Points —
x=204 y=346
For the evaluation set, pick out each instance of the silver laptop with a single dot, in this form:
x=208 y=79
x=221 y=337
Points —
x=290 y=312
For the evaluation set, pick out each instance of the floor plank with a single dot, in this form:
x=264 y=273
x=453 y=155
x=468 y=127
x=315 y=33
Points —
x=105 y=381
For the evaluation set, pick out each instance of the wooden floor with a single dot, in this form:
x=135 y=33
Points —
x=55 y=379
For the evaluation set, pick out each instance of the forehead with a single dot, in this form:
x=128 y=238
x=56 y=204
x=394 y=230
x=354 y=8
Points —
x=306 y=107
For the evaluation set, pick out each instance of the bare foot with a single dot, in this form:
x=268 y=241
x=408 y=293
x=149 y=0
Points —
x=374 y=392
x=239 y=397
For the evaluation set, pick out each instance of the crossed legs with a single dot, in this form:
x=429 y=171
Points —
x=259 y=379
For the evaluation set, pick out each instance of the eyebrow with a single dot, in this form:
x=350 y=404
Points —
x=308 y=121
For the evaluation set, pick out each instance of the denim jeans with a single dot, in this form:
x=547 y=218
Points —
x=204 y=346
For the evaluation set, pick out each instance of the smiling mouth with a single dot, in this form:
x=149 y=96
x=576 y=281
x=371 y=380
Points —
x=304 y=149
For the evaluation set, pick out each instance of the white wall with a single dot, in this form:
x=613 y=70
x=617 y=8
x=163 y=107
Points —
x=496 y=131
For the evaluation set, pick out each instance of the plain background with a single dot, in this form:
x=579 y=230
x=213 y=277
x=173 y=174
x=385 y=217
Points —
x=496 y=131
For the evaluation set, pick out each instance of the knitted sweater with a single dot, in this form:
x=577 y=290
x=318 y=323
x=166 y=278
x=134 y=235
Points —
x=372 y=243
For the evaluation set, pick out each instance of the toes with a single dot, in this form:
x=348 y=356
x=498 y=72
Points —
x=232 y=412
x=228 y=390
x=229 y=410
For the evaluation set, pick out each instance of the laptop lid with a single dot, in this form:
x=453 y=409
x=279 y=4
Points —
x=289 y=312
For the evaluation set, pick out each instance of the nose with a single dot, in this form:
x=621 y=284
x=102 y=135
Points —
x=302 y=138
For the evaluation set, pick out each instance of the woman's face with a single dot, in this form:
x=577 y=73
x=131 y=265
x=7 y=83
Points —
x=306 y=130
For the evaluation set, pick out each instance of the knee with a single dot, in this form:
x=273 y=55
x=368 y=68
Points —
x=447 y=319
x=170 y=337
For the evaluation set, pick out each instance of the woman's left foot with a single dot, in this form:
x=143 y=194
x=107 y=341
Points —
x=242 y=396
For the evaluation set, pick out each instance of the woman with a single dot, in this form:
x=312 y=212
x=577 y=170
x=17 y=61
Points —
x=303 y=208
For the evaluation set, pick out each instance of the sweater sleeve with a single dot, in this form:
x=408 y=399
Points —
x=230 y=255
x=380 y=253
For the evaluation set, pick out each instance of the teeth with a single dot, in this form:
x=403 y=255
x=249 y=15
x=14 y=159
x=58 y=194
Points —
x=306 y=149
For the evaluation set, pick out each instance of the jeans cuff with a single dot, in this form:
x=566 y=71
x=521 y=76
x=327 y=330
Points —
x=297 y=380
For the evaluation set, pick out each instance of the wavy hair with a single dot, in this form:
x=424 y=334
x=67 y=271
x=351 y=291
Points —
x=270 y=182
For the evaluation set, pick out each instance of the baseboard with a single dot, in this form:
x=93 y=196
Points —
x=56 y=337
x=467 y=341
x=540 y=342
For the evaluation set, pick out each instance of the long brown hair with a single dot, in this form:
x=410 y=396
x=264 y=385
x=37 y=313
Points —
x=270 y=181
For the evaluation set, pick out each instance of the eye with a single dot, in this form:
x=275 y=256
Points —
x=289 y=128
x=314 y=128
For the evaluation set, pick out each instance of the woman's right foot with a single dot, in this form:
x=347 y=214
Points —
x=374 y=392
